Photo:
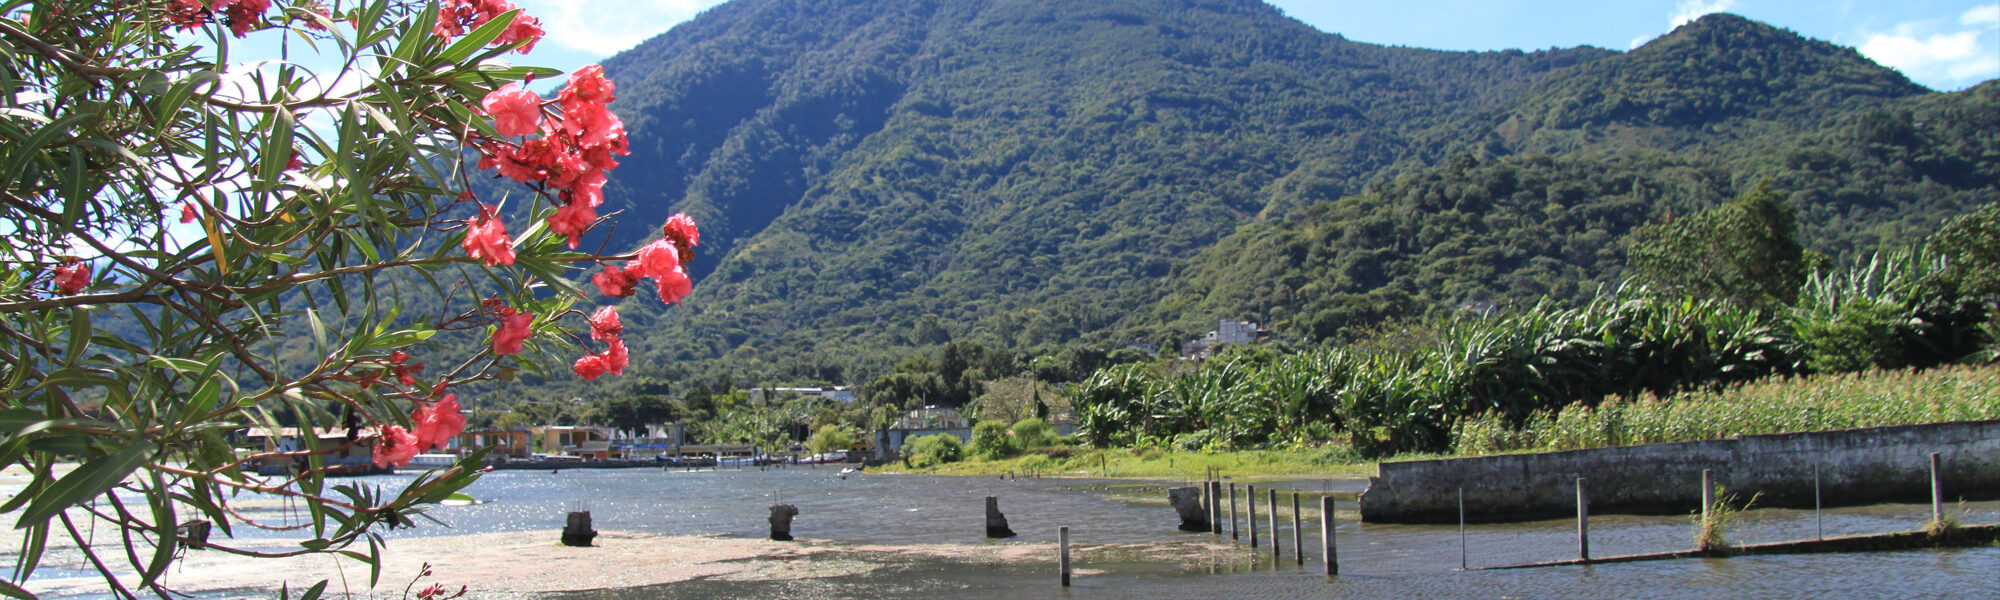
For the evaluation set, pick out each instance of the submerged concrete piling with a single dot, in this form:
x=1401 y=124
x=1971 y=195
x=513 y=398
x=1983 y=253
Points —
x=577 y=531
x=1461 y=528
x=996 y=523
x=1062 y=559
x=1187 y=502
x=1332 y=556
x=1582 y=521
x=781 y=521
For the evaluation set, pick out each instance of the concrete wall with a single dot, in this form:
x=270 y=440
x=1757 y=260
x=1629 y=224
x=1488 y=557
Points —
x=1857 y=466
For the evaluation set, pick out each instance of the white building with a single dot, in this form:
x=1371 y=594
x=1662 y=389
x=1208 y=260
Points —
x=837 y=393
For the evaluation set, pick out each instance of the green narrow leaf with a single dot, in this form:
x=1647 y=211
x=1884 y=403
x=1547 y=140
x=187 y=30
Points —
x=277 y=151
x=79 y=337
x=485 y=34
x=165 y=532
x=11 y=590
x=318 y=329
x=86 y=482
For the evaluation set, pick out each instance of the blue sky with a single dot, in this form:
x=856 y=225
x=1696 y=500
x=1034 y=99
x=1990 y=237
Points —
x=1943 y=44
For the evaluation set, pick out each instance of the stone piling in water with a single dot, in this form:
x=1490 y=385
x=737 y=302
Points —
x=996 y=523
x=1187 y=502
x=781 y=521
x=577 y=531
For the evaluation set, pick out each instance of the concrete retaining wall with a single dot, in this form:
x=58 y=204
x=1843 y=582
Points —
x=1857 y=466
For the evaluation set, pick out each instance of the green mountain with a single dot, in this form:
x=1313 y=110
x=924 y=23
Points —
x=875 y=177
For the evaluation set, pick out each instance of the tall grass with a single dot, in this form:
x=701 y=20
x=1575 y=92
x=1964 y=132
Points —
x=1776 y=405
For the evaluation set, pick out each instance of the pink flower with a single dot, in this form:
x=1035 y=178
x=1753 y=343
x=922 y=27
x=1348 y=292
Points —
x=604 y=324
x=512 y=331
x=486 y=239
x=588 y=85
x=524 y=27
x=242 y=15
x=515 y=111
x=681 y=230
x=655 y=259
x=187 y=212
x=395 y=447
x=438 y=423
x=613 y=282
x=72 y=278
x=615 y=359
x=590 y=367
x=572 y=220
x=674 y=286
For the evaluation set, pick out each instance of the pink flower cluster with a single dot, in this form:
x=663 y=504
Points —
x=513 y=329
x=663 y=260
x=572 y=153
x=486 y=239
x=436 y=424
x=604 y=327
x=72 y=278
x=240 y=15
x=456 y=17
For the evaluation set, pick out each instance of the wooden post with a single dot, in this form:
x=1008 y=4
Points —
x=1820 y=518
x=1062 y=560
x=1937 y=491
x=1251 y=499
x=1461 y=528
x=1326 y=535
x=1707 y=493
x=1277 y=549
x=1582 y=521
x=1235 y=535
x=1215 y=511
x=1298 y=533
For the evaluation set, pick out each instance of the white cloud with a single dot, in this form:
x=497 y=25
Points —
x=1938 y=55
x=606 y=27
x=1689 y=10
x=1988 y=15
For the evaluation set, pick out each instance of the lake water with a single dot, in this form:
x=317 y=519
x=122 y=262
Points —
x=1376 y=560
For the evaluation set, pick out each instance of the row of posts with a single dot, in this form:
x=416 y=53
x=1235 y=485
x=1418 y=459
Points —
x=1211 y=502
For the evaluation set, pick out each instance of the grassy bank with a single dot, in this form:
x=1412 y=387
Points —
x=1154 y=463
x=1778 y=405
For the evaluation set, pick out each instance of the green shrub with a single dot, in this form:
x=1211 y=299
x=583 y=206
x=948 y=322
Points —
x=990 y=440
x=1034 y=433
x=933 y=450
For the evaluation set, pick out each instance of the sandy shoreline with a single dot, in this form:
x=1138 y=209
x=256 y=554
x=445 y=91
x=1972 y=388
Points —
x=526 y=564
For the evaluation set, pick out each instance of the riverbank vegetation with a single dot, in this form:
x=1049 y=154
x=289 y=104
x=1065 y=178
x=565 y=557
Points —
x=1156 y=463
x=1776 y=405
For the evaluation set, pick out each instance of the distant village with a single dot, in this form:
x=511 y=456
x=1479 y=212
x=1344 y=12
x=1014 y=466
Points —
x=666 y=443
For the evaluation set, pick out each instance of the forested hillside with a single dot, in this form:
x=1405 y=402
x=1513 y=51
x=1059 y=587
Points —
x=874 y=179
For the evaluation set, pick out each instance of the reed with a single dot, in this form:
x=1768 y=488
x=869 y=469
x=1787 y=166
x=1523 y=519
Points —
x=1775 y=405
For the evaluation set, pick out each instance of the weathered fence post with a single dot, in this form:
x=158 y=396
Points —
x=1937 y=491
x=1326 y=535
x=1277 y=549
x=1582 y=521
x=1707 y=493
x=1235 y=535
x=1298 y=532
x=1251 y=499
x=1817 y=516
x=1062 y=560
x=1461 y=528
x=1215 y=506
